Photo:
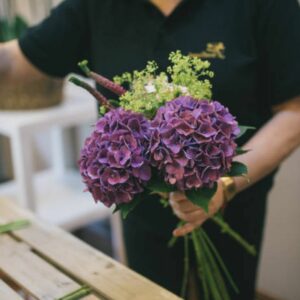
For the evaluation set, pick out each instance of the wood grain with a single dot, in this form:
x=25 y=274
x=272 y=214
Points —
x=103 y=274
x=6 y=293
x=32 y=273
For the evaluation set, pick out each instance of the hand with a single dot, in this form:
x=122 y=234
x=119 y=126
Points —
x=195 y=216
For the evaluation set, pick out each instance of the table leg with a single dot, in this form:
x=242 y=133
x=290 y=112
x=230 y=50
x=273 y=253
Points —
x=22 y=165
x=62 y=150
x=117 y=238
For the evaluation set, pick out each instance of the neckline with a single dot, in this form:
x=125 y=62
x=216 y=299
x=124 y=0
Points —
x=178 y=6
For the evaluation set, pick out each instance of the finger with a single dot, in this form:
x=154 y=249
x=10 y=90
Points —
x=187 y=206
x=177 y=196
x=183 y=206
x=192 y=217
x=185 y=229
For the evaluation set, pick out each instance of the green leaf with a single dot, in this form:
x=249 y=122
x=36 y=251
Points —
x=115 y=103
x=240 y=151
x=237 y=169
x=126 y=208
x=244 y=129
x=201 y=197
x=164 y=202
x=158 y=185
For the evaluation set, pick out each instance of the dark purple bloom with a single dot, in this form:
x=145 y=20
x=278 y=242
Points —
x=112 y=163
x=192 y=142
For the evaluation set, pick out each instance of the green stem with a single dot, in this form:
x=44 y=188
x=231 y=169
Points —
x=83 y=291
x=220 y=261
x=216 y=274
x=14 y=226
x=200 y=266
x=83 y=65
x=227 y=229
x=208 y=274
x=174 y=239
x=185 y=267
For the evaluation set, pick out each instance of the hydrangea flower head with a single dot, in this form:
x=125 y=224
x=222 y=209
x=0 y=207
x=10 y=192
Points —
x=112 y=163
x=192 y=142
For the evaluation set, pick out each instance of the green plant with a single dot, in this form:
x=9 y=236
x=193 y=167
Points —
x=11 y=29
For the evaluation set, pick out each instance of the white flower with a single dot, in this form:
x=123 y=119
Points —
x=150 y=88
x=183 y=89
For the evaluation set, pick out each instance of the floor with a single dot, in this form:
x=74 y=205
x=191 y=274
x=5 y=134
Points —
x=98 y=235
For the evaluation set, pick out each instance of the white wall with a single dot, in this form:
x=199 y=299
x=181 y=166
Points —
x=280 y=264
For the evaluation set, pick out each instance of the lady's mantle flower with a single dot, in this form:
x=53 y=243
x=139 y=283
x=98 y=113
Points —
x=112 y=162
x=192 y=142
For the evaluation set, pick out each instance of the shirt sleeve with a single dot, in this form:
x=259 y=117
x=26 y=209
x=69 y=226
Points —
x=279 y=39
x=56 y=45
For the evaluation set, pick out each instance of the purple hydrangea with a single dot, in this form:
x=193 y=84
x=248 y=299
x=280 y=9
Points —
x=192 y=142
x=112 y=163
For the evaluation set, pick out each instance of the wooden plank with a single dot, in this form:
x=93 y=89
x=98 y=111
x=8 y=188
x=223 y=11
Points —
x=32 y=273
x=103 y=274
x=6 y=293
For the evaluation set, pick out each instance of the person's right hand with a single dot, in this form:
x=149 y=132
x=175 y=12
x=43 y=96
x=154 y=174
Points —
x=193 y=215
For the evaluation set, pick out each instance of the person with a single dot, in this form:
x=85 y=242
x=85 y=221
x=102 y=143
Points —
x=253 y=47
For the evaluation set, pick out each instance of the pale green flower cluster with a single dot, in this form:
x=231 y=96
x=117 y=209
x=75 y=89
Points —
x=148 y=90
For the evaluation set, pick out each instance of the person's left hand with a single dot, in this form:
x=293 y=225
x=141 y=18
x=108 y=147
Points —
x=194 y=216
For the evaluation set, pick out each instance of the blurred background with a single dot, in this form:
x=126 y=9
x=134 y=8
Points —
x=39 y=147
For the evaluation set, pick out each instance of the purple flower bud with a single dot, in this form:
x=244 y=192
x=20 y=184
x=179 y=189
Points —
x=113 y=161
x=192 y=142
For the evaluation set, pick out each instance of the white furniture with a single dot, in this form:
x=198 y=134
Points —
x=57 y=194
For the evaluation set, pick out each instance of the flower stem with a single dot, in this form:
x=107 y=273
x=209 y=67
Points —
x=174 y=239
x=227 y=229
x=200 y=265
x=220 y=261
x=185 y=267
x=101 y=80
x=100 y=98
x=14 y=226
x=216 y=274
x=208 y=273
x=81 y=292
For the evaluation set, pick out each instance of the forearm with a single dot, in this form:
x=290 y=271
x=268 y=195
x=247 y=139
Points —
x=270 y=146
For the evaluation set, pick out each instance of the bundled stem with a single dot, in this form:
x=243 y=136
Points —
x=200 y=265
x=101 y=80
x=186 y=266
x=216 y=275
x=220 y=261
x=100 y=98
x=227 y=229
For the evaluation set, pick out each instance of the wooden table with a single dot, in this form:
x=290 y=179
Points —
x=48 y=263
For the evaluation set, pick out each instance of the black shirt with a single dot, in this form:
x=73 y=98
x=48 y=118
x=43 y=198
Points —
x=253 y=45
x=259 y=66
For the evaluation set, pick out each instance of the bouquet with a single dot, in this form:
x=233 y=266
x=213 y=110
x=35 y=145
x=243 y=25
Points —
x=160 y=135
